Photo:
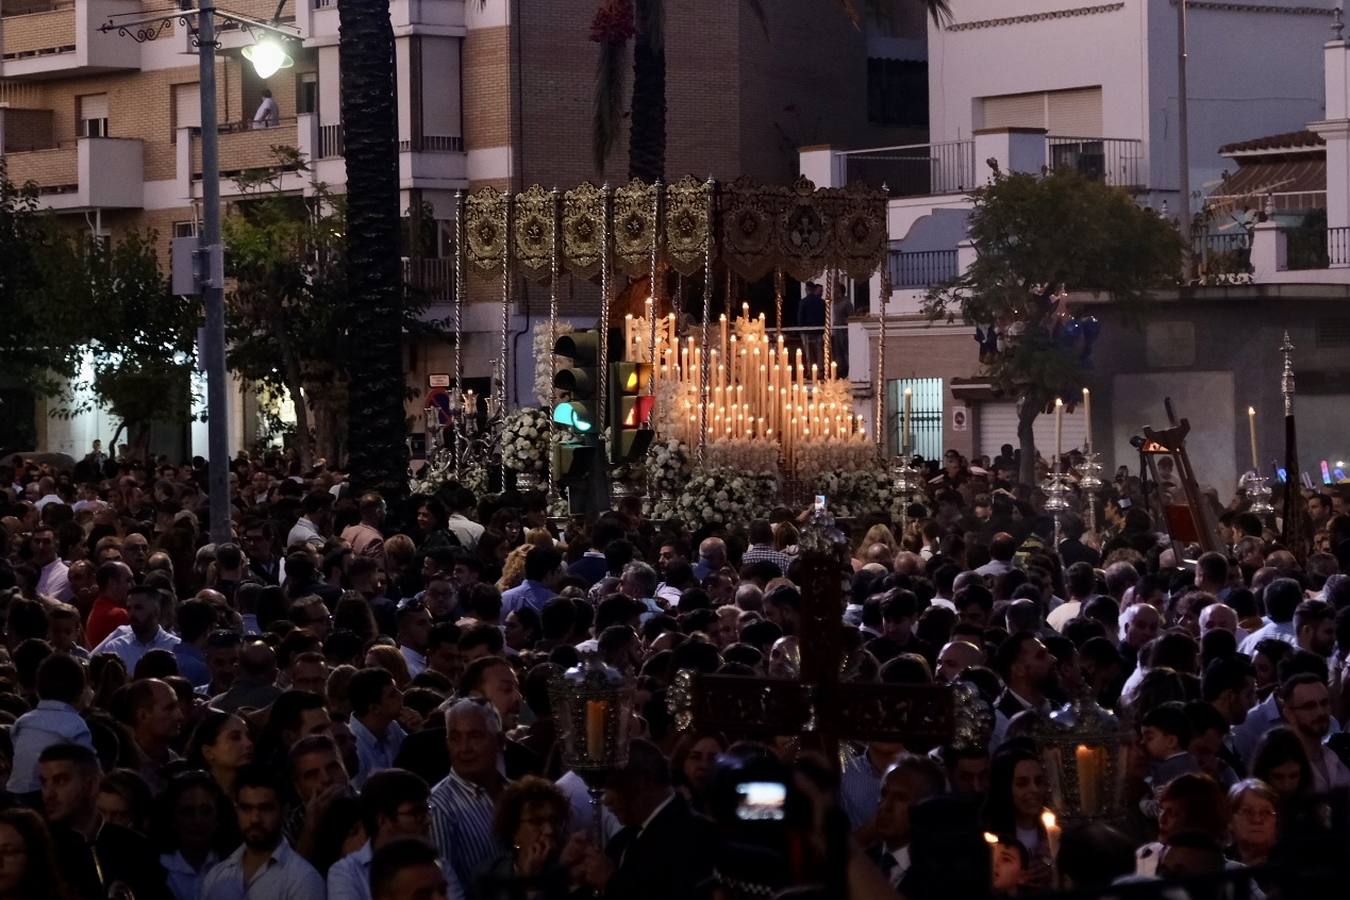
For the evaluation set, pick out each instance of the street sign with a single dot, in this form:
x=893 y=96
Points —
x=438 y=380
x=960 y=419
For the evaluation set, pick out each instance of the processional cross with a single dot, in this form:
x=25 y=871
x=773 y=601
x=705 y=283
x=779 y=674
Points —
x=819 y=706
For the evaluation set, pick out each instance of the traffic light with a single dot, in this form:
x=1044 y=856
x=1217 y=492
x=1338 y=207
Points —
x=630 y=410
x=575 y=383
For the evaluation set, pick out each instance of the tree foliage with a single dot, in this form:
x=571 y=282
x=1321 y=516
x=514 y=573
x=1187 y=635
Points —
x=1036 y=236
x=289 y=321
x=40 y=331
x=142 y=344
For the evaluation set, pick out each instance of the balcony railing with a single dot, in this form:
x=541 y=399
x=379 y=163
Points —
x=1338 y=246
x=914 y=170
x=434 y=278
x=244 y=148
x=1116 y=161
x=1222 y=254
x=922 y=268
x=433 y=143
x=331 y=142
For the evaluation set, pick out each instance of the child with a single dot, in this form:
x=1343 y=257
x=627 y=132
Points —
x=1166 y=736
x=63 y=630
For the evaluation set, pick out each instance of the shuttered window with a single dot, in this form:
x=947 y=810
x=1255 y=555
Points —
x=1073 y=113
x=996 y=425
x=93 y=115
x=187 y=106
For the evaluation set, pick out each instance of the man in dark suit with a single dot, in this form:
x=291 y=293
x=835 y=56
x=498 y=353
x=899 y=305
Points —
x=665 y=850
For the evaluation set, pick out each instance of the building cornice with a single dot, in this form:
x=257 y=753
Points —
x=1037 y=17
x=1266 y=8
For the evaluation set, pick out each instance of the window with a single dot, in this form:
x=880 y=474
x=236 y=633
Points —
x=925 y=422
x=185 y=229
x=93 y=115
x=897 y=92
x=1071 y=113
x=307 y=93
x=187 y=106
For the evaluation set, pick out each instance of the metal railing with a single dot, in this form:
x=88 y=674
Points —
x=433 y=277
x=922 y=268
x=1219 y=254
x=325 y=4
x=20 y=94
x=914 y=170
x=1115 y=161
x=331 y=142
x=432 y=143
x=1338 y=246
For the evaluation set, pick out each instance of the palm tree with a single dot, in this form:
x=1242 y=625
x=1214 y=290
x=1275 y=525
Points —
x=378 y=455
x=643 y=21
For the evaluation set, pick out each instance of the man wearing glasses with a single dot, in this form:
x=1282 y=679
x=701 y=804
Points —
x=1305 y=703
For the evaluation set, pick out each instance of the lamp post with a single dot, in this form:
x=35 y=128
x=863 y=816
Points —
x=210 y=252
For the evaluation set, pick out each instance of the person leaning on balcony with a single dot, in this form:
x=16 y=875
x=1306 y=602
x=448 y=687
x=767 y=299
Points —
x=268 y=115
x=811 y=316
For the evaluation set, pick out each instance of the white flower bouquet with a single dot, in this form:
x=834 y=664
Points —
x=853 y=493
x=669 y=465
x=725 y=496
x=525 y=440
x=545 y=363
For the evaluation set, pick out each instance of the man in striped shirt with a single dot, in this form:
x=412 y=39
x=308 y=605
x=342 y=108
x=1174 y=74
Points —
x=462 y=803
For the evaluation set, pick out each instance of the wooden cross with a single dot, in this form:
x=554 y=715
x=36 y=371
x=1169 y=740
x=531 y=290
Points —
x=817 y=706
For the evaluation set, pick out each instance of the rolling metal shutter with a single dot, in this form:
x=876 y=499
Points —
x=996 y=424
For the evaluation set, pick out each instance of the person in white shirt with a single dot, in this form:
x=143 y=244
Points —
x=131 y=642
x=268 y=114
x=1305 y=702
x=264 y=865
x=414 y=632
x=52 y=580
x=393 y=806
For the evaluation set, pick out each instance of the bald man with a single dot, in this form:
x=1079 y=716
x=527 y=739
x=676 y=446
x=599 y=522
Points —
x=955 y=658
x=255 y=686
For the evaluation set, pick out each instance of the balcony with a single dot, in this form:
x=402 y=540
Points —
x=913 y=170
x=91 y=173
x=434 y=278
x=1118 y=162
x=922 y=268
x=318 y=19
x=60 y=38
x=244 y=150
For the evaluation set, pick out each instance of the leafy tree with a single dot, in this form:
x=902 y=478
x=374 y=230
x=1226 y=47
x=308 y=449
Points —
x=142 y=343
x=1034 y=236
x=40 y=332
x=288 y=320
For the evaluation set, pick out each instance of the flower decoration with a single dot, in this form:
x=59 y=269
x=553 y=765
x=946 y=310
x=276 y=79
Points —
x=525 y=440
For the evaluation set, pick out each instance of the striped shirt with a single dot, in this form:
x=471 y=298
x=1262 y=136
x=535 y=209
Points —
x=461 y=827
x=766 y=553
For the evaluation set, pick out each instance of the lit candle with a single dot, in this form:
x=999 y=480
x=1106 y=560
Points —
x=904 y=425
x=834 y=370
x=596 y=713
x=1090 y=767
x=992 y=840
x=1251 y=430
x=1059 y=430
x=724 y=335
x=1087 y=416
x=1052 y=835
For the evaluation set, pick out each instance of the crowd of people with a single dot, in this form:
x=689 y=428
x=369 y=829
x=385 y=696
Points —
x=349 y=699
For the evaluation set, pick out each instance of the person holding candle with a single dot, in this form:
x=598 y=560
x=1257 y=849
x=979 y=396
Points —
x=1018 y=793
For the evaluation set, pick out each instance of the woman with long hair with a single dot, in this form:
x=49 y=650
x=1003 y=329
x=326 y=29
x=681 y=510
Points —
x=431 y=531
x=693 y=762
x=220 y=745
x=1018 y=794
x=1281 y=762
x=27 y=862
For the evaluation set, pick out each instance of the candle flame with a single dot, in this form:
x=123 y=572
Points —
x=1059 y=401
x=990 y=838
x=1251 y=410
x=1048 y=819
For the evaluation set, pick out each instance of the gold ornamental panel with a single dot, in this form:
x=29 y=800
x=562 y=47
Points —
x=535 y=227
x=584 y=229
x=750 y=215
x=805 y=231
x=859 y=216
x=687 y=224
x=634 y=225
x=485 y=228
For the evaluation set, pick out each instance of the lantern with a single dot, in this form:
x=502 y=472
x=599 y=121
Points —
x=1083 y=748
x=593 y=706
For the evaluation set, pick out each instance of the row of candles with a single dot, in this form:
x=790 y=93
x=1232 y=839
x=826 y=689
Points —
x=757 y=388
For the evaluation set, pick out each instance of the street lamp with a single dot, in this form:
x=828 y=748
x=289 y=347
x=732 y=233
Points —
x=267 y=57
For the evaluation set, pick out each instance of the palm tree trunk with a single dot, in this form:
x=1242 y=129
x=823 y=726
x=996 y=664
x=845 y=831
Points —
x=379 y=457
x=647 y=123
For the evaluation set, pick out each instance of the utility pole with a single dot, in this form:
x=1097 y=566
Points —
x=1183 y=130
x=213 y=288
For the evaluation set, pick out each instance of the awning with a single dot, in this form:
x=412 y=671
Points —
x=1298 y=183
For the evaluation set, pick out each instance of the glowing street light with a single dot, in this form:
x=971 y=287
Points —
x=268 y=57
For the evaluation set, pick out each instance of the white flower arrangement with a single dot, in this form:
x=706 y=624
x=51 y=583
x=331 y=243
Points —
x=814 y=458
x=723 y=496
x=669 y=465
x=545 y=363
x=853 y=493
x=744 y=454
x=432 y=478
x=525 y=440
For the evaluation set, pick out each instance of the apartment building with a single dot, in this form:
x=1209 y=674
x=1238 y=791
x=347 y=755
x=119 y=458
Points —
x=1094 y=87
x=496 y=93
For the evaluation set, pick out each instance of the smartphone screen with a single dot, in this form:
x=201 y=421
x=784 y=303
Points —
x=762 y=801
x=820 y=501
